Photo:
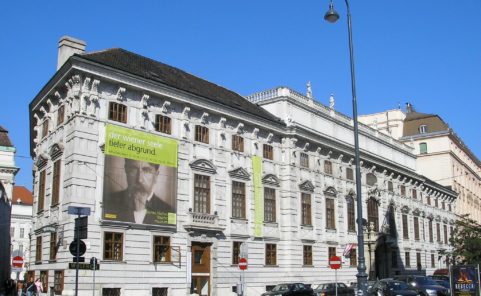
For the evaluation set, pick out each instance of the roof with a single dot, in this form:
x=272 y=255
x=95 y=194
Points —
x=153 y=70
x=4 y=139
x=22 y=195
x=416 y=115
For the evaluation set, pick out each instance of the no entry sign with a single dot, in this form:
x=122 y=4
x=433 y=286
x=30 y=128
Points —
x=17 y=261
x=335 y=262
x=242 y=263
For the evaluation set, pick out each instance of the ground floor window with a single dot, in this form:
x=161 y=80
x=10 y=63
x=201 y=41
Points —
x=110 y=291
x=58 y=282
x=159 y=292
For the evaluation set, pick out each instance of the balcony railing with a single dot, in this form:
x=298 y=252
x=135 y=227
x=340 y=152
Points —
x=203 y=221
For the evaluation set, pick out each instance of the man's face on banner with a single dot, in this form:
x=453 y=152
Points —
x=141 y=176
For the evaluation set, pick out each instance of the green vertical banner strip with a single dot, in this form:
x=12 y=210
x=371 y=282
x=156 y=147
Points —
x=258 y=196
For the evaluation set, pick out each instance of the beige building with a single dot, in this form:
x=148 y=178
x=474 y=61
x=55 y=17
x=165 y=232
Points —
x=441 y=154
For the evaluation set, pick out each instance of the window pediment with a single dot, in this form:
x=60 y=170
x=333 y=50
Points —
x=416 y=212
x=42 y=160
x=270 y=179
x=203 y=165
x=405 y=210
x=56 y=150
x=331 y=191
x=307 y=186
x=240 y=173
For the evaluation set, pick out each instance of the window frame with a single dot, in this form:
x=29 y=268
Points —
x=202 y=194
x=350 y=174
x=238 y=143
x=201 y=134
x=353 y=258
x=268 y=151
x=238 y=200
x=351 y=214
x=328 y=167
x=271 y=255
x=109 y=253
x=416 y=228
x=306 y=209
x=163 y=124
x=56 y=180
x=38 y=249
x=41 y=190
x=58 y=282
x=45 y=129
x=307 y=255
x=161 y=249
x=407 y=259
x=236 y=250
x=423 y=129
x=117 y=112
x=304 y=160
x=330 y=213
x=423 y=148
x=405 y=225
x=373 y=213
x=53 y=246
x=270 y=205
x=60 y=115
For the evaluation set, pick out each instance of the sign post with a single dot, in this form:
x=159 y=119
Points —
x=335 y=263
x=79 y=233
x=242 y=267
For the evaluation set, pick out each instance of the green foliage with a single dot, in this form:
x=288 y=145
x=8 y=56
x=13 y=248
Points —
x=466 y=242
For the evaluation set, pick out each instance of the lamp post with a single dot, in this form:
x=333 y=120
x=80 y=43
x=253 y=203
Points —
x=332 y=16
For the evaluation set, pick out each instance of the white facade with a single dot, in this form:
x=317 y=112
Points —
x=86 y=88
x=21 y=226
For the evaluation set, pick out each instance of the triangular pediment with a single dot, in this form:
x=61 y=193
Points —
x=41 y=161
x=203 y=165
x=56 y=150
x=270 y=179
x=307 y=186
x=240 y=173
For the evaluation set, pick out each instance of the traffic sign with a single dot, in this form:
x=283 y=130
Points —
x=335 y=262
x=73 y=248
x=17 y=261
x=242 y=263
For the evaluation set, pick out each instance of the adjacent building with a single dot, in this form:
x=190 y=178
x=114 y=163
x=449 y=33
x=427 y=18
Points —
x=184 y=177
x=441 y=154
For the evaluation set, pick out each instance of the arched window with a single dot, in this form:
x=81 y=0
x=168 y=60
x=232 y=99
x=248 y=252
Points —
x=351 y=217
x=373 y=213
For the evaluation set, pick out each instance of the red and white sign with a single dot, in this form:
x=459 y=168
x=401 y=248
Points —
x=348 y=249
x=17 y=261
x=242 y=263
x=335 y=262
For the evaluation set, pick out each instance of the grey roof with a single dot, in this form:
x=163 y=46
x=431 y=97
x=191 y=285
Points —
x=153 y=70
x=4 y=139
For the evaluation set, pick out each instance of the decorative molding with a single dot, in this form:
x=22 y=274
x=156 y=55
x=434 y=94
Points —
x=255 y=133
x=405 y=210
x=222 y=122
x=269 y=137
x=240 y=173
x=203 y=165
x=306 y=146
x=240 y=128
x=120 y=94
x=186 y=113
x=271 y=179
x=165 y=107
x=331 y=191
x=144 y=102
x=307 y=186
x=56 y=150
x=204 y=118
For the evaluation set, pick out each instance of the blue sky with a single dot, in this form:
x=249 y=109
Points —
x=425 y=52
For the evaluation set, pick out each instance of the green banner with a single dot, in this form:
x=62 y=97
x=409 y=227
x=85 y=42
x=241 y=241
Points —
x=137 y=145
x=258 y=195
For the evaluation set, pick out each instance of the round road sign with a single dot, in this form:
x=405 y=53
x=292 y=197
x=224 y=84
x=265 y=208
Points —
x=335 y=262
x=242 y=263
x=17 y=261
x=73 y=248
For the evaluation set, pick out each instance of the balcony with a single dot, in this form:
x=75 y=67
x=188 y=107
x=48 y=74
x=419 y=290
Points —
x=203 y=221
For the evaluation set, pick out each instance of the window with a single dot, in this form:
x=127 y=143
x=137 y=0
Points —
x=405 y=227
x=53 y=246
x=373 y=213
x=237 y=143
x=162 y=249
x=44 y=280
x=113 y=246
x=269 y=204
x=443 y=205
x=307 y=255
x=414 y=193
x=423 y=148
x=423 y=129
x=56 y=182
x=117 y=112
x=110 y=291
x=428 y=200
x=45 y=128
x=306 y=209
x=236 y=248
x=438 y=232
x=38 y=249
x=304 y=160
x=22 y=232
x=390 y=187
x=202 y=134
x=433 y=262
x=328 y=167
x=330 y=214
x=58 y=282
x=351 y=217
x=271 y=254
x=449 y=207
x=41 y=191
x=349 y=174
x=407 y=259
x=403 y=190
x=436 y=202
x=331 y=251
x=416 y=228
x=393 y=259
x=12 y=231
x=201 y=194
x=431 y=239
x=418 y=261
x=163 y=124
x=238 y=200
x=159 y=291
x=353 y=258
x=268 y=152
x=445 y=230
x=60 y=115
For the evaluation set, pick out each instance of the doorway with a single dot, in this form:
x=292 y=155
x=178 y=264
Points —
x=200 y=269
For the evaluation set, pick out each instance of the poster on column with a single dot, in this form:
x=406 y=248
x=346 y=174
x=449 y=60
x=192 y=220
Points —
x=465 y=280
x=140 y=177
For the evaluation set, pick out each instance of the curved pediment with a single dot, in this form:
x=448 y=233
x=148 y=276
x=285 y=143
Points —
x=56 y=150
x=271 y=179
x=203 y=165
x=405 y=210
x=240 y=173
x=416 y=212
x=307 y=186
x=331 y=191
x=41 y=160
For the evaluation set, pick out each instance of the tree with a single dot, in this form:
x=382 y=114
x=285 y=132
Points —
x=465 y=241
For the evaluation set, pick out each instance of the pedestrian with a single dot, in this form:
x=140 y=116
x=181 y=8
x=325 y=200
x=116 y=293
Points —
x=38 y=287
x=30 y=288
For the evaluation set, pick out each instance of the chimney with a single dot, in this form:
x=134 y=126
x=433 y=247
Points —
x=67 y=47
x=409 y=108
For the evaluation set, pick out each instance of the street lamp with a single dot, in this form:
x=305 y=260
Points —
x=332 y=16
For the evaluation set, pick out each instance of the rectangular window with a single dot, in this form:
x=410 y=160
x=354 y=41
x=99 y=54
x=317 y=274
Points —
x=328 y=167
x=423 y=129
x=433 y=262
x=353 y=258
x=160 y=292
x=56 y=182
x=306 y=209
x=271 y=254
x=201 y=194
x=431 y=238
x=237 y=143
x=53 y=246
x=445 y=228
x=443 y=205
x=238 y=200
x=41 y=191
x=110 y=291
x=58 y=282
x=113 y=246
x=403 y=190
x=304 y=159
x=163 y=124
x=436 y=202
x=416 y=228
x=268 y=151
x=162 y=249
x=428 y=200
x=407 y=259
x=351 y=216
x=349 y=174
x=449 y=207
x=331 y=251
x=405 y=227
x=117 y=112
x=390 y=187
x=44 y=280
x=307 y=255
x=330 y=214
x=60 y=115
x=414 y=194
x=438 y=232
x=236 y=248
x=423 y=148
x=269 y=205
x=202 y=134
x=394 y=259
x=418 y=261
x=22 y=232
x=45 y=128
x=38 y=249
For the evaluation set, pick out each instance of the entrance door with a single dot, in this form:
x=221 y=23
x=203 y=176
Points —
x=200 y=269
